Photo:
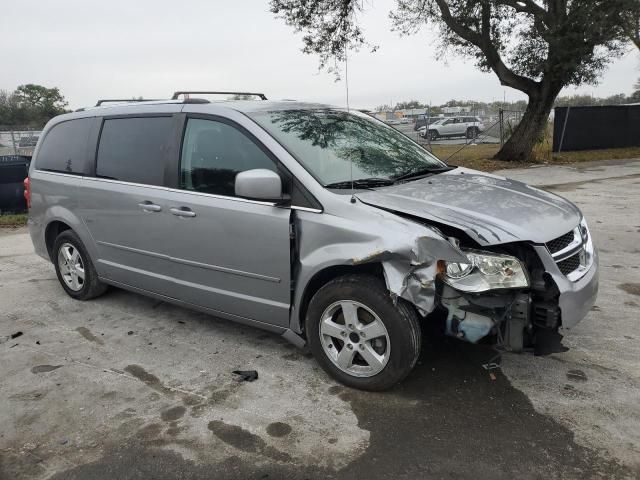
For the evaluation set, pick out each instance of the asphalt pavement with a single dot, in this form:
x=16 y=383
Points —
x=126 y=387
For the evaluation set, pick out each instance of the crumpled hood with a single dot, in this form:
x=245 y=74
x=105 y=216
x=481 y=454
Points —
x=490 y=209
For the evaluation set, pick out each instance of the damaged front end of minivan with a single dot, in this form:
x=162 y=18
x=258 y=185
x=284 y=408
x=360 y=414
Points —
x=500 y=293
x=476 y=294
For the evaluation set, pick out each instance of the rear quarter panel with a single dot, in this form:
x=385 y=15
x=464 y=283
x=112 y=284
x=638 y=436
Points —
x=54 y=198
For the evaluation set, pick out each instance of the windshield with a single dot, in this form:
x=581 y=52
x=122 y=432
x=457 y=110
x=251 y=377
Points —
x=329 y=143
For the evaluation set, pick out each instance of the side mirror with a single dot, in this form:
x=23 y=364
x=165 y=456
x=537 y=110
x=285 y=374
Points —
x=259 y=184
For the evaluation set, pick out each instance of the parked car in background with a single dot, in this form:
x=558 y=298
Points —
x=423 y=121
x=422 y=131
x=326 y=226
x=469 y=127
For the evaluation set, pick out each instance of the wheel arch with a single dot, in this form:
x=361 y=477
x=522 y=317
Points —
x=51 y=232
x=56 y=220
x=326 y=275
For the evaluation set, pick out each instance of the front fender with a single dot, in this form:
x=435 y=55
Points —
x=408 y=252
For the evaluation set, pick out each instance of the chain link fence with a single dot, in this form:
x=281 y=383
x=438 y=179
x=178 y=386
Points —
x=467 y=127
x=18 y=141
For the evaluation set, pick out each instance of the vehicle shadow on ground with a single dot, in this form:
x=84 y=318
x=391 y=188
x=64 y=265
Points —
x=450 y=418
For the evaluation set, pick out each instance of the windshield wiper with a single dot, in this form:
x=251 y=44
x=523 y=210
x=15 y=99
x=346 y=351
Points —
x=421 y=173
x=362 y=183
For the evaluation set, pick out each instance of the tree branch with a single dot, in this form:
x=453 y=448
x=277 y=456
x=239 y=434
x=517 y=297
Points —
x=525 y=6
x=483 y=42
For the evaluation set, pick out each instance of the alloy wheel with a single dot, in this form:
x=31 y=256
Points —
x=354 y=338
x=71 y=266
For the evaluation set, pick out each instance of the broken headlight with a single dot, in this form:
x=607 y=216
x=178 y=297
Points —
x=484 y=271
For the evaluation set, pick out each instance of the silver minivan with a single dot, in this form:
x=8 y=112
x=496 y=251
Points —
x=324 y=225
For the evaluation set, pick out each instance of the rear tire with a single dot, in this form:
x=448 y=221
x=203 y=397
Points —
x=74 y=267
x=359 y=336
x=472 y=132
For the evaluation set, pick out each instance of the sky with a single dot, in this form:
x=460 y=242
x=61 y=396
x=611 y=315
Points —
x=121 y=49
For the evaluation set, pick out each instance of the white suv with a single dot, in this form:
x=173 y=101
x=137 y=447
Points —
x=470 y=127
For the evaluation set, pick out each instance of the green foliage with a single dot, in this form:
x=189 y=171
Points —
x=588 y=100
x=13 y=220
x=30 y=105
x=410 y=104
x=328 y=27
x=635 y=96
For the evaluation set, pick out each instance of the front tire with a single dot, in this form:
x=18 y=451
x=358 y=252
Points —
x=433 y=135
x=75 y=269
x=359 y=336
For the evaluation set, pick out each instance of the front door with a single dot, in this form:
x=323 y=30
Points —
x=230 y=254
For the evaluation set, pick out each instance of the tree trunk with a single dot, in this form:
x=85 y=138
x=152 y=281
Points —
x=529 y=130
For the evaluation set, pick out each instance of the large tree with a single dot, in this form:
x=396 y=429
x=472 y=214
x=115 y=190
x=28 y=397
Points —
x=535 y=46
x=30 y=105
x=49 y=102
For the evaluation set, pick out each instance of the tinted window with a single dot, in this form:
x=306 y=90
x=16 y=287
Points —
x=213 y=153
x=133 y=149
x=64 y=148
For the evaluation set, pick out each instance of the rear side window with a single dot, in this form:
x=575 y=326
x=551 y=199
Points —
x=134 y=149
x=64 y=148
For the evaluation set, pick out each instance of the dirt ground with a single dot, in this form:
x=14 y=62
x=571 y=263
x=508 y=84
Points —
x=125 y=387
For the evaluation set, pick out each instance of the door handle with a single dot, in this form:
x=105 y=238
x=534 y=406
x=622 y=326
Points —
x=182 y=212
x=147 y=206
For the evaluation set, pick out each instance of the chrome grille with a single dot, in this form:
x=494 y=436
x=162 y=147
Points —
x=570 y=264
x=567 y=252
x=560 y=243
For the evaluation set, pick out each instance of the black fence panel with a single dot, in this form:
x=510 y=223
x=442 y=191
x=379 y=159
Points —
x=594 y=128
x=13 y=170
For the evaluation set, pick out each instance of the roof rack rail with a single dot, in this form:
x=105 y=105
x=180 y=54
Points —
x=202 y=92
x=123 y=100
x=195 y=100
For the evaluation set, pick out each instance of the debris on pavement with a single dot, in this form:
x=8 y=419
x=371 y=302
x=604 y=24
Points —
x=10 y=337
x=246 y=375
x=578 y=375
x=44 y=368
x=494 y=363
